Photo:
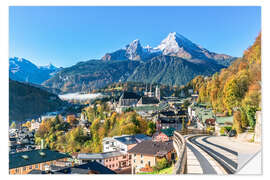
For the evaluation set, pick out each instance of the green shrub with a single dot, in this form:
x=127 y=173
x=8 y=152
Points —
x=228 y=128
x=161 y=164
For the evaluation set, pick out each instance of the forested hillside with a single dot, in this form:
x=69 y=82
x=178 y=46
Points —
x=235 y=90
x=59 y=135
x=26 y=101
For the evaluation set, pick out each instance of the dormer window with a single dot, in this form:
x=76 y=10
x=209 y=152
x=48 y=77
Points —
x=25 y=157
x=42 y=153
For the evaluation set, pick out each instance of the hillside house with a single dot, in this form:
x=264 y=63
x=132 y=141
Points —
x=122 y=143
x=168 y=122
x=147 y=153
x=163 y=135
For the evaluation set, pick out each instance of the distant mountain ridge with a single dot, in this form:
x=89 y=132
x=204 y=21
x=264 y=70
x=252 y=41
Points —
x=92 y=74
x=173 y=45
x=175 y=61
x=24 y=70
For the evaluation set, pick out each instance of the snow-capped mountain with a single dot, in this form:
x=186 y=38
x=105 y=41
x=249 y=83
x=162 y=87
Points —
x=24 y=70
x=173 y=45
x=132 y=51
x=177 y=45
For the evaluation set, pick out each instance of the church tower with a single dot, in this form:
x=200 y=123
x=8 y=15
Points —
x=157 y=94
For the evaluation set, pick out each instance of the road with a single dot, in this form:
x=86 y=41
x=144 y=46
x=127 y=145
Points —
x=245 y=150
x=211 y=155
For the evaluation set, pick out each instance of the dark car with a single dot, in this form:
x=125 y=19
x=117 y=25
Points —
x=232 y=133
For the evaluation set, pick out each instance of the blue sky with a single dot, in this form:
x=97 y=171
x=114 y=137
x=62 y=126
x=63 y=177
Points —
x=64 y=36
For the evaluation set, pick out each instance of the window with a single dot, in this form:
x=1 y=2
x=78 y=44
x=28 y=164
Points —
x=124 y=156
x=109 y=159
x=141 y=156
x=130 y=156
x=109 y=166
x=36 y=166
x=16 y=170
x=113 y=165
x=24 y=168
x=134 y=160
x=30 y=167
x=149 y=163
x=134 y=155
x=141 y=161
x=106 y=160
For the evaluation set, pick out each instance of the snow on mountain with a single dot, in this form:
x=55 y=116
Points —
x=24 y=70
x=173 y=45
x=134 y=50
x=177 y=45
x=49 y=67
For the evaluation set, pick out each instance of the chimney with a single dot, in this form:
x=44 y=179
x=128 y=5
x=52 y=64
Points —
x=42 y=144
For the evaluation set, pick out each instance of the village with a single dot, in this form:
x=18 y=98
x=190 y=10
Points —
x=125 y=154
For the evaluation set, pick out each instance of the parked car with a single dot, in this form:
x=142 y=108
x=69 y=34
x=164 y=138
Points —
x=232 y=133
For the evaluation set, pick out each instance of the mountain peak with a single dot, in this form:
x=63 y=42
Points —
x=177 y=45
x=134 y=44
x=134 y=50
x=174 y=44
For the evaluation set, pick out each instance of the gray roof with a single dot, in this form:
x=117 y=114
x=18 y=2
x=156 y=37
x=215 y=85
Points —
x=154 y=148
x=149 y=100
x=132 y=139
x=92 y=156
x=130 y=95
x=34 y=157
x=86 y=168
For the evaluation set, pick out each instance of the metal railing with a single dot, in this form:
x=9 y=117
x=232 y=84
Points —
x=179 y=144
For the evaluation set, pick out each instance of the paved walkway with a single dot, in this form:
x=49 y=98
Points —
x=199 y=162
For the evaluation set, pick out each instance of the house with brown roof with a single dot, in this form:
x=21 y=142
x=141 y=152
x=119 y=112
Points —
x=147 y=153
